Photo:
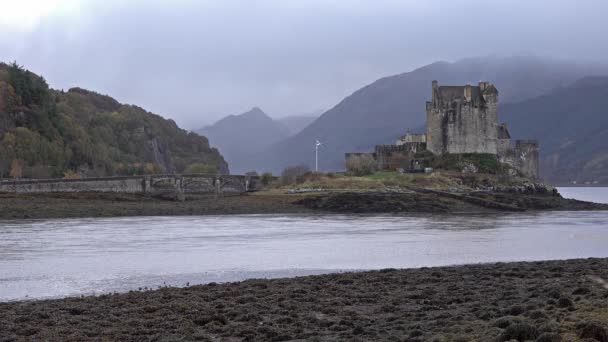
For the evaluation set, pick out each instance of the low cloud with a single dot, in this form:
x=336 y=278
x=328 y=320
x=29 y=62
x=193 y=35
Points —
x=196 y=61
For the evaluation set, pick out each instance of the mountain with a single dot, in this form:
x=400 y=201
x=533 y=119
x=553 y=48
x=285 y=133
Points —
x=296 y=123
x=571 y=124
x=240 y=138
x=380 y=112
x=48 y=133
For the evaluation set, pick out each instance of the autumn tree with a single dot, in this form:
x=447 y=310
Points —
x=16 y=168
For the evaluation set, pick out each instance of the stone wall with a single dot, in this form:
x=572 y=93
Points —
x=411 y=138
x=149 y=184
x=524 y=157
x=527 y=157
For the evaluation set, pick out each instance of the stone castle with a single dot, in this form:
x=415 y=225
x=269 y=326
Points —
x=460 y=120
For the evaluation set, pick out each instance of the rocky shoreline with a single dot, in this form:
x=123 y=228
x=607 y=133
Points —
x=435 y=201
x=522 y=301
x=413 y=200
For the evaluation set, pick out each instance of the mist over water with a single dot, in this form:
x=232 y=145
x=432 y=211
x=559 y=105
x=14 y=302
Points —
x=55 y=258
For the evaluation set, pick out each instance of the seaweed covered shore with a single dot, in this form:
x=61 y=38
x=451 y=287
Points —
x=522 y=301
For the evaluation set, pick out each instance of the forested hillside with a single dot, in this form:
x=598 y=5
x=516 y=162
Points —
x=49 y=133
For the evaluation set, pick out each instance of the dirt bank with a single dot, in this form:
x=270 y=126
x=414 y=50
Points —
x=66 y=205
x=431 y=201
x=536 y=301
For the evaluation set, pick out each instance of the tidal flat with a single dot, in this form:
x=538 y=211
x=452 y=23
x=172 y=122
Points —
x=563 y=300
x=74 y=205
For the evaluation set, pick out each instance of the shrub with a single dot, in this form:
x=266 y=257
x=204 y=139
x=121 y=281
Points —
x=200 y=168
x=483 y=162
x=69 y=174
x=17 y=168
x=40 y=172
x=266 y=178
x=361 y=165
x=294 y=174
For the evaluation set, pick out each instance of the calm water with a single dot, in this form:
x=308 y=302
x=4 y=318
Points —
x=52 y=258
x=591 y=194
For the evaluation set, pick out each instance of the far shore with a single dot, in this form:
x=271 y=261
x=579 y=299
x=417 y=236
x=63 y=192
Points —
x=562 y=300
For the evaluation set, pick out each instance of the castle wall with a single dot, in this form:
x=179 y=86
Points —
x=152 y=184
x=392 y=157
x=435 y=133
x=527 y=157
x=411 y=138
x=470 y=129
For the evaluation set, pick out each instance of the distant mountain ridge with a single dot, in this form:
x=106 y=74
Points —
x=296 y=123
x=383 y=110
x=241 y=138
x=571 y=124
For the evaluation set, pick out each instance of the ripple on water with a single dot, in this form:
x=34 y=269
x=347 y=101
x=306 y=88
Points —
x=49 y=258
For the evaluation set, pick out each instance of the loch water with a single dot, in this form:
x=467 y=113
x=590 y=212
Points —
x=67 y=257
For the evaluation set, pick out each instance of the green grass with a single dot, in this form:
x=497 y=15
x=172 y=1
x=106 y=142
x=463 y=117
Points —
x=382 y=175
x=485 y=163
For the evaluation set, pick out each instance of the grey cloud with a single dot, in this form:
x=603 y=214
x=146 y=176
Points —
x=198 y=61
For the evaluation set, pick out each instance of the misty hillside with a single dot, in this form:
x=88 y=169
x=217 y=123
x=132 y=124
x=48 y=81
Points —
x=383 y=110
x=240 y=138
x=47 y=133
x=296 y=123
x=571 y=124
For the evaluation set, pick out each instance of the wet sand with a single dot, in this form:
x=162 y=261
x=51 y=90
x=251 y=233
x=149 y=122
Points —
x=537 y=301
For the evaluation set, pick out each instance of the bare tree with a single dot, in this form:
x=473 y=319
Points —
x=293 y=174
x=361 y=165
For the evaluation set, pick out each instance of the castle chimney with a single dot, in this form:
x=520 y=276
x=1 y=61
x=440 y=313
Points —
x=467 y=92
x=435 y=99
x=483 y=85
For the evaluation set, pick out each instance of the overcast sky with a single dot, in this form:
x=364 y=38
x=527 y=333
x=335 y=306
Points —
x=196 y=61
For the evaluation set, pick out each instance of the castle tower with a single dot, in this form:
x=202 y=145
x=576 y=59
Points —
x=462 y=119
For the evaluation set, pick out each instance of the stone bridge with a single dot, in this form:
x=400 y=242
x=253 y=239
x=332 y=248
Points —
x=146 y=184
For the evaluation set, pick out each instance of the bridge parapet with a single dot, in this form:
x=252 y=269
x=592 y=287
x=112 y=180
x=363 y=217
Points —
x=148 y=184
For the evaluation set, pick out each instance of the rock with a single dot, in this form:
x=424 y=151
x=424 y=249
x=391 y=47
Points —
x=468 y=168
